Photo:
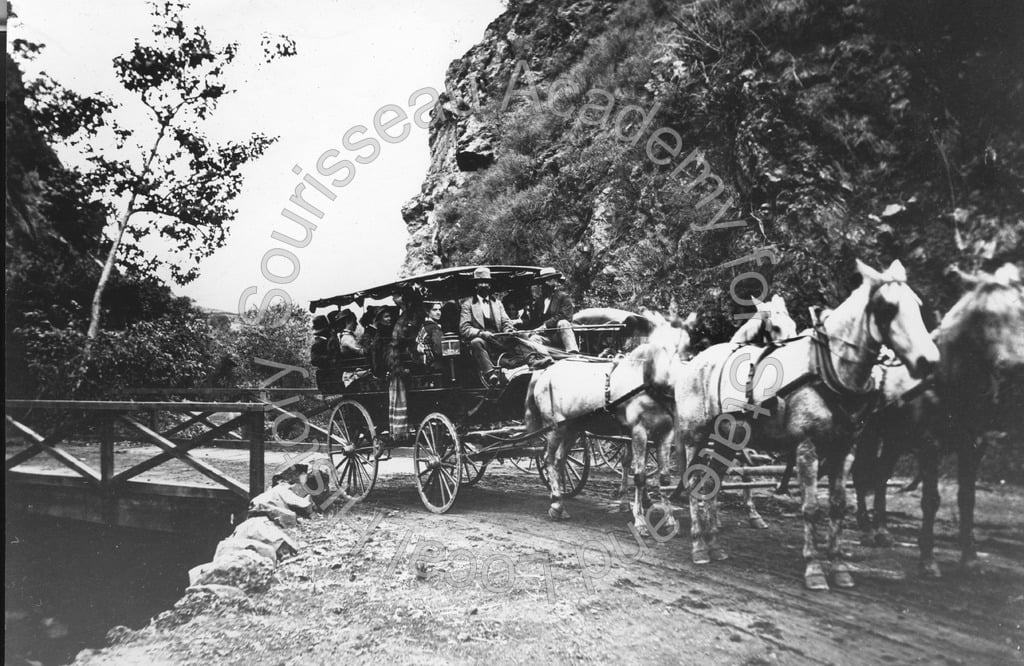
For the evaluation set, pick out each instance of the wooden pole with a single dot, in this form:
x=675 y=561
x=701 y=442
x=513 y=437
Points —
x=257 y=481
x=106 y=449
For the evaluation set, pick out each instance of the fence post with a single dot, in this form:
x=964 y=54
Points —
x=107 y=448
x=256 y=462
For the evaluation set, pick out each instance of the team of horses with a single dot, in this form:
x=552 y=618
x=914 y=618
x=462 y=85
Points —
x=809 y=396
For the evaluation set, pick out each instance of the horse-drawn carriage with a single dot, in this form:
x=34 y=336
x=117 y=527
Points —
x=458 y=422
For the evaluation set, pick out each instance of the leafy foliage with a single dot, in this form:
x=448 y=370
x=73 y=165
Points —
x=174 y=350
x=841 y=129
x=181 y=181
x=286 y=344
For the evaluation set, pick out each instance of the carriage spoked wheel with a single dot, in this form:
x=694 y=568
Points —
x=608 y=452
x=576 y=470
x=354 y=449
x=526 y=463
x=439 y=459
x=472 y=471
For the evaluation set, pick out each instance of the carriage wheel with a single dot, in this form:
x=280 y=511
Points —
x=353 y=449
x=612 y=452
x=526 y=463
x=439 y=460
x=472 y=471
x=608 y=452
x=576 y=470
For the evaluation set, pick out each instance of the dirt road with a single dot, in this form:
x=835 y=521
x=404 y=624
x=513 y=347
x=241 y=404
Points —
x=495 y=580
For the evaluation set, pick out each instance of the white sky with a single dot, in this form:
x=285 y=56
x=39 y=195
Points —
x=353 y=57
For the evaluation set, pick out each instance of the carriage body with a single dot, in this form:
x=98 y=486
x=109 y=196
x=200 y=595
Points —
x=457 y=425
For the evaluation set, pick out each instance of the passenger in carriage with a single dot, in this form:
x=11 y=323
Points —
x=407 y=326
x=551 y=314
x=482 y=320
x=428 y=340
x=343 y=342
x=319 y=352
x=377 y=339
x=517 y=305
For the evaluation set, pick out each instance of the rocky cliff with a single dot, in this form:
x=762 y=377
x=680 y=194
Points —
x=647 y=147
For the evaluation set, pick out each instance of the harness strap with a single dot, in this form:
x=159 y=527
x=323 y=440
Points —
x=826 y=369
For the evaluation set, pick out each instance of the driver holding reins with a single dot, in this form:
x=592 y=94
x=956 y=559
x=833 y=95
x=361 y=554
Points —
x=481 y=320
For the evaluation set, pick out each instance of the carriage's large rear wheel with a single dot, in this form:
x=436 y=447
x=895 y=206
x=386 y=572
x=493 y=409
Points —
x=353 y=449
x=576 y=470
x=438 y=458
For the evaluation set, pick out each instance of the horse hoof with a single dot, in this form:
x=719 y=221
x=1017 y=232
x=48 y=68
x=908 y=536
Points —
x=814 y=578
x=701 y=556
x=930 y=569
x=758 y=523
x=557 y=514
x=883 y=540
x=641 y=528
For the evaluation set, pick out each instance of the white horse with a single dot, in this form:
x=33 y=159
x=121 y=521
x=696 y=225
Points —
x=570 y=394
x=771 y=323
x=817 y=385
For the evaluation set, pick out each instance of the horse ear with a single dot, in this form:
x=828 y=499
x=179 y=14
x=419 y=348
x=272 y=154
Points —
x=690 y=321
x=758 y=303
x=1007 y=274
x=868 y=273
x=778 y=301
x=896 y=271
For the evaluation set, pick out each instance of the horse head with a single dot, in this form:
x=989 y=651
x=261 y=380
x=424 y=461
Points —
x=667 y=345
x=893 y=316
x=987 y=323
x=775 y=322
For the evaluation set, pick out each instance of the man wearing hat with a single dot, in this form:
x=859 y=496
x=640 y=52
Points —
x=551 y=314
x=482 y=318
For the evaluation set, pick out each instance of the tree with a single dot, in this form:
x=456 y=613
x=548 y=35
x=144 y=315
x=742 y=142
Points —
x=172 y=181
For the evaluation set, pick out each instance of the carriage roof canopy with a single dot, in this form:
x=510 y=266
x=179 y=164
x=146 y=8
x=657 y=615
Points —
x=442 y=285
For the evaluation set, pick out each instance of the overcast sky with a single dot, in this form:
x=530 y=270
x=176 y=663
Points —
x=353 y=58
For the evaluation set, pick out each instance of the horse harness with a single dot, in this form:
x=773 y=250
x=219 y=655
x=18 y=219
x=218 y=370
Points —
x=657 y=394
x=855 y=404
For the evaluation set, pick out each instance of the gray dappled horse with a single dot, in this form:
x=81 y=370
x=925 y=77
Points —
x=979 y=384
x=570 y=394
x=819 y=383
x=899 y=423
x=977 y=388
x=770 y=323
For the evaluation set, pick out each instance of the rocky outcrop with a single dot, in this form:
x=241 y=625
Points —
x=462 y=128
x=809 y=133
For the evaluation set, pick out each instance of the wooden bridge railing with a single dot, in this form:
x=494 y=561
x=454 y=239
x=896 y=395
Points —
x=250 y=417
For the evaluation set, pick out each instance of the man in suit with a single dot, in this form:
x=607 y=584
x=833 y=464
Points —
x=551 y=314
x=481 y=319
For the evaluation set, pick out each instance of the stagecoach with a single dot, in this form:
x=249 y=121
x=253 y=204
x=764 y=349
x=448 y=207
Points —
x=458 y=424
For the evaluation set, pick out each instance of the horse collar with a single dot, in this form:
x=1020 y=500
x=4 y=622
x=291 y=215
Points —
x=825 y=368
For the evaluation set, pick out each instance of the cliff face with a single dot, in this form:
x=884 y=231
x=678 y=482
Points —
x=665 y=141
x=464 y=127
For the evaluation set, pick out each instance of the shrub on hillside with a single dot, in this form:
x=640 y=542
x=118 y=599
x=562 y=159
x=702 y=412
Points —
x=175 y=350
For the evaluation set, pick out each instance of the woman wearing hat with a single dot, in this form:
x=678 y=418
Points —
x=343 y=341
